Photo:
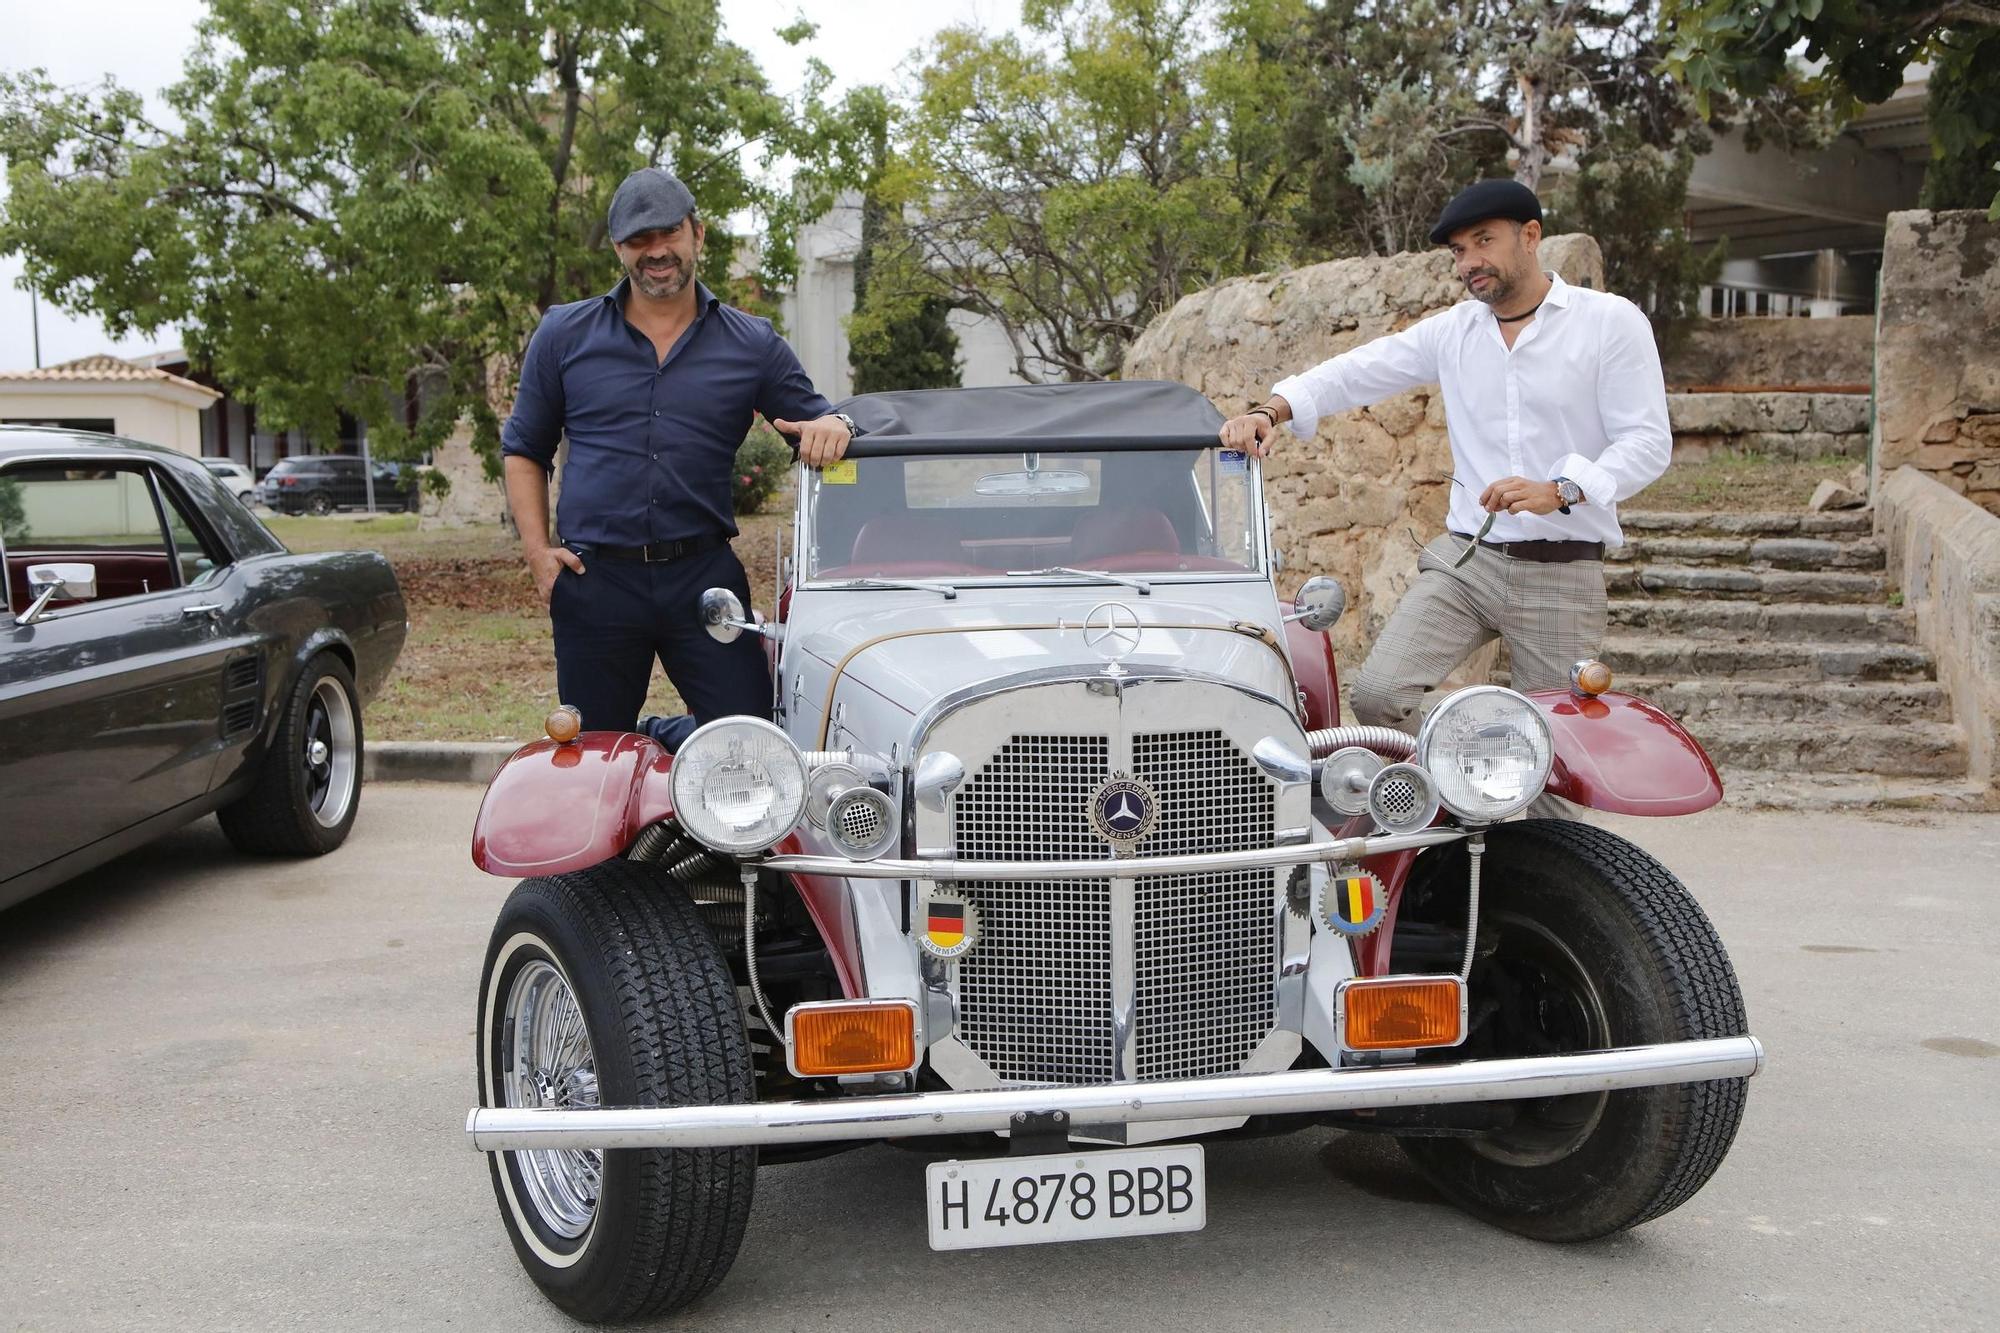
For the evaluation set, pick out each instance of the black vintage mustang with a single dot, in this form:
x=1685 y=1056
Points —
x=162 y=655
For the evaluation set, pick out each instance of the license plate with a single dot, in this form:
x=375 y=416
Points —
x=1065 y=1196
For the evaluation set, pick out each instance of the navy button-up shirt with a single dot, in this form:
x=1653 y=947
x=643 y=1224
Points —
x=652 y=444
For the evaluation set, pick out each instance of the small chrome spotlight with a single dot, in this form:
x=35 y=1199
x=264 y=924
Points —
x=1344 y=777
x=826 y=782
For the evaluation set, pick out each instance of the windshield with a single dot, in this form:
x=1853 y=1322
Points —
x=962 y=517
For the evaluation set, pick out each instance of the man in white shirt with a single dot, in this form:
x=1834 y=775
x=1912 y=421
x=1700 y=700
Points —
x=1557 y=410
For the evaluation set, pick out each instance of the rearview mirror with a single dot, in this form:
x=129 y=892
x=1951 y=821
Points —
x=1319 y=603
x=1032 y=485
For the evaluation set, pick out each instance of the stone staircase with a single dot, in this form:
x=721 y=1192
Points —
x=1773 y=638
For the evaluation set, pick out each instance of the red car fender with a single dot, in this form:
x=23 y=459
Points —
x=555 y=807
x=1619 y=753
x=1311 y=652
x=1615 y=752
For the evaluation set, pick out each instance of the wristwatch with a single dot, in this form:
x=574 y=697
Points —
x=847 y=421
x=1567 y=493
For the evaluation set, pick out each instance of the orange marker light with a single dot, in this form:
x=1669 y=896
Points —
x=563 y=724
x=1590 y=677
x=851 y=1037
x=1395 y=1013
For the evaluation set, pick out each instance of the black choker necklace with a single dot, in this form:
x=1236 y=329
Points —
x=1516 y=319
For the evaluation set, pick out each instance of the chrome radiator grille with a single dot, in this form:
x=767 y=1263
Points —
x=1206 y=944
x=1036 y=996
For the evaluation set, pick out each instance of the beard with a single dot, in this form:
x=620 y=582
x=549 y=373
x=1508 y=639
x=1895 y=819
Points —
x=661 y=281
x=1497 y=291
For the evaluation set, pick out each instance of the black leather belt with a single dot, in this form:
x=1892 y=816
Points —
x=1546 y=552
x=659 y=552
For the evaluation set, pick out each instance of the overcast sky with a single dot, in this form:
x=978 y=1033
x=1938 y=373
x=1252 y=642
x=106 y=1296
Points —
x=142 y=44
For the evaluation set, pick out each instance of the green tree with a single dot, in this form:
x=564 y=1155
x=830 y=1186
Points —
x=900 y=335
x=1863 y=48
x=354 y=195
x=1072 y=184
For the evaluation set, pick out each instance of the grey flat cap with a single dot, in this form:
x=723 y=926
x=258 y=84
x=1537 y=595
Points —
x=647 y=200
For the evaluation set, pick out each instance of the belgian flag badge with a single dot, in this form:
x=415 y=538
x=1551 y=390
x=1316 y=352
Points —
x=1351 y=901
x=947 y=923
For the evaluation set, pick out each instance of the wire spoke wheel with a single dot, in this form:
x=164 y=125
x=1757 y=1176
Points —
x=554 y=1067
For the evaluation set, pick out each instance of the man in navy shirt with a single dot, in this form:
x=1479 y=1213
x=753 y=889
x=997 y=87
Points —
x=655 y=383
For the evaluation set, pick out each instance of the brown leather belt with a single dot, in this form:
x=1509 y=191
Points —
x=1544 y=552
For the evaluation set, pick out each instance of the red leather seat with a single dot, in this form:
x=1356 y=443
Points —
x=906 y=539
x=1121 y=531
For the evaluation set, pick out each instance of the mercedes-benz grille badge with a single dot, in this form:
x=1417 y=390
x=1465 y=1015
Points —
x=1111 y=630
x=1122 y=811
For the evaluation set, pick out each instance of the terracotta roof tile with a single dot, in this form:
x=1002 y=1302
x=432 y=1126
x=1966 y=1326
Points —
x=101 y=369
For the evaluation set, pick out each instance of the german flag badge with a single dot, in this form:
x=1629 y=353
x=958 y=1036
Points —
x=947 y=924
x=1351 y=901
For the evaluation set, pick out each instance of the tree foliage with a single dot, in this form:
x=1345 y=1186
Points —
x=900 y=335
x=1863 y=48
x=1073 y=183
x=350 y=196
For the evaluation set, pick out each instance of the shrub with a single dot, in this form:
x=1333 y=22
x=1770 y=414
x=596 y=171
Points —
x=762 y=462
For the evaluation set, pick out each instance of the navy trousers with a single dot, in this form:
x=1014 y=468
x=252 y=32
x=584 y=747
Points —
x=615 y=618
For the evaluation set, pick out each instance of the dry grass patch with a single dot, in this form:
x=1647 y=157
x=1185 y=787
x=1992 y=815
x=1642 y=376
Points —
x=1741 y=483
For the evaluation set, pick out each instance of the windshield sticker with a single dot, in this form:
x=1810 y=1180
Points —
x=838 y=474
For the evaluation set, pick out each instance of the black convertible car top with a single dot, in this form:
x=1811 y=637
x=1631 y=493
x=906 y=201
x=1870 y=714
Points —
x=1109 y=416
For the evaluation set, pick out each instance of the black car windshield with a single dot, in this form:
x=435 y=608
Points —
x=966 y=516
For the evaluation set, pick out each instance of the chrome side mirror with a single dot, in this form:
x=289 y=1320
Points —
x=1319 y=603
x=722 y=616
x=71 y=582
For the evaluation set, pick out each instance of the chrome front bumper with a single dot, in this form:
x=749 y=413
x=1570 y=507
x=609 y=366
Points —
x=1296 y=1091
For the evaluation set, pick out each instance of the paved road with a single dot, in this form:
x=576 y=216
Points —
x=234 y=1093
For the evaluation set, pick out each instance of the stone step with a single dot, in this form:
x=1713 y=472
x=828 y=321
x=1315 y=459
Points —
x=1638 y=655
x=1840 y=622
x=1801 y=553
x=1698 y=702
x=1714 y=523
x=1787 y=789
x=1764 y=585
x=1909 y=749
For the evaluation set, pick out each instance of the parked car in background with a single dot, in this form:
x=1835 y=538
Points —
x=321 y=484
x=235 y=477
x=163 y=655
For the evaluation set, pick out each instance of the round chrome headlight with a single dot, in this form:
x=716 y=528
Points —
x=1488 y=749
x=739 y=785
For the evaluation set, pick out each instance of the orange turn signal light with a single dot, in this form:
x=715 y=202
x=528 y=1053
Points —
x=1395 y=1013
x=851 y=1037
x=1590 y=678
x=563 y=723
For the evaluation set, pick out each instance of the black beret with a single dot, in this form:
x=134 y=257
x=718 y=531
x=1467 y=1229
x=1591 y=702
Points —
x=1488 y=199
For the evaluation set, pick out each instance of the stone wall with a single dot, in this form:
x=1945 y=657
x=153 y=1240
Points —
x=1774 y=353
x=1778 y=425
x=1356 y=500
x=1937 y=356
x=1944 y=553
x=472 y=497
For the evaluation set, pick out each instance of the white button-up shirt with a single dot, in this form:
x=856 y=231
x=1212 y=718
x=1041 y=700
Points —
x=1579 y=395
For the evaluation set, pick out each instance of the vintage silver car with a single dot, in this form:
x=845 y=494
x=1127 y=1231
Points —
x=1057 y=855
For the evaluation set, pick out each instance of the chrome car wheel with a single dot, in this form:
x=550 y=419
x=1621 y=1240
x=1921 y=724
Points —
x=553 y=1066
x=329 y=752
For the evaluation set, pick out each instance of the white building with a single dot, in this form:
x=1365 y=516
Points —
x=817 y=309
x=105 y=393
